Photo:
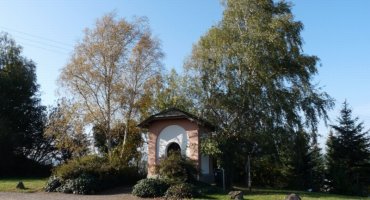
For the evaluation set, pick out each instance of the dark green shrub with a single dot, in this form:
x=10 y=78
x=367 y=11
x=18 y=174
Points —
x=181 y=191
x=150 y=188
x=81 y=175
x=66 y=186
x=92 y=164
x=177 y=169
x=110 y=176
x=53 y=184
x=84 y=184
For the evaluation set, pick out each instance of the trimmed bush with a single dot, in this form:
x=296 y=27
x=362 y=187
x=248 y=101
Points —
x=150 y=188
x=181 y=191
x=66 y=187
x=84 y=184
x=83 y=175
x=53 y=184
x=92 y=165
x=177 y=169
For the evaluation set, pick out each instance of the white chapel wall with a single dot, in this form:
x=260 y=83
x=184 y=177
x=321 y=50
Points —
x=170 y=134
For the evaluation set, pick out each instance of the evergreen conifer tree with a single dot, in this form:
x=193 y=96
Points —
x=307 y=163
x=316 y=168
x=348 y=154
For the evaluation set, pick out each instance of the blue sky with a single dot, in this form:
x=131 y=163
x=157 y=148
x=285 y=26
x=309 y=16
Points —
x=338 y=32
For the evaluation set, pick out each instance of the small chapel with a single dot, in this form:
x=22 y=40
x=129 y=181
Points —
x=174 y=129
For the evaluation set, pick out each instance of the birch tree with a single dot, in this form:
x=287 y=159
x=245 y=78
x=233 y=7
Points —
x=253 y=76
x=109 y=70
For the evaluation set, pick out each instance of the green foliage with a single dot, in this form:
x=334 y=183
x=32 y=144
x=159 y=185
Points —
x=269 y=171
x=53 y=184
x=181 y=191
x=110 y=75
x=307 y=164
x=79 y=176
x=100 y=138
x=296 y=158
x=316 y=169
x=83 y=175
x=288 y=160
x=65 y=131
x=210 y=147
x=177 y=169
x=172 y=92
x=83 y=184
x=91 y=164
x=348 y=155
x=122 y=154
x=251 y=77
x=149 y=188
x=106 y=144
x=118 y=153
x=21 y=115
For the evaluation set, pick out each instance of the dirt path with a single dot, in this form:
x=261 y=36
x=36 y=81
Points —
x=115 y=194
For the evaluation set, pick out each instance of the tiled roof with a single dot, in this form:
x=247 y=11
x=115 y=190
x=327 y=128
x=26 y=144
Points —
x=175 y=113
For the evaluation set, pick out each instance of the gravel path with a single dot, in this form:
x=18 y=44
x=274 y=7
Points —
x=115 y=194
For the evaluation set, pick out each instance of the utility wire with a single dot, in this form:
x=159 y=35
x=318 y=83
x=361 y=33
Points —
x=43 y=43
x=35 y=36
x=43 y=48
x=40 y=42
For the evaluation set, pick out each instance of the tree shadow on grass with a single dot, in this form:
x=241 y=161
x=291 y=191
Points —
x=116 y=191
x=205 y=197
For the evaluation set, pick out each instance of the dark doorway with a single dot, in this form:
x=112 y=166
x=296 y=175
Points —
x=173 y=148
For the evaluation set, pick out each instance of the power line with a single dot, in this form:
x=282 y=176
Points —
x=43 y=43
x=43 y=48
x=40 y=42
x=35 y=36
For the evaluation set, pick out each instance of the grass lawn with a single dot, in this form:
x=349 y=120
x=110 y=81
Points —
x=37 y=184
x=31 y=184
x=266 y=194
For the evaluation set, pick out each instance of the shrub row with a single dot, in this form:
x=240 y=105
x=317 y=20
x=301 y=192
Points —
x=151 y=188
x=177 y=173
x=90 y=174
x=84 y=184
x=177 y=169
x=181 y=191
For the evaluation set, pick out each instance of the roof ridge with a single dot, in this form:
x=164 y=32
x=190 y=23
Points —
x=184 y=114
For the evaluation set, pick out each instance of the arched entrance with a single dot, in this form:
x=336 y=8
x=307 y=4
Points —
x=179 y=131
x=173 y=148
x=172 y=134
